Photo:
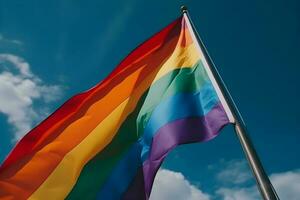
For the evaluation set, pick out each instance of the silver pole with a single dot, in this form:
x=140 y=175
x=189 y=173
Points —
x=263 y=183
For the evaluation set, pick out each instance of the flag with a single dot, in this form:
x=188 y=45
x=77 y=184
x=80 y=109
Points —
x=109 y=142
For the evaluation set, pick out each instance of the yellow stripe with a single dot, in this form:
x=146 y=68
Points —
x=181 y=58
x=63 y=178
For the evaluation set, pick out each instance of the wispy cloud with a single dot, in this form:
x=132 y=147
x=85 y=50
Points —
x=9 y=41
x=19 y=90
x=249 y=193
x=234 y=181
x=234 y=171
x=237 y=183
x=117 y=24
x=173 y=185
x=287 y=185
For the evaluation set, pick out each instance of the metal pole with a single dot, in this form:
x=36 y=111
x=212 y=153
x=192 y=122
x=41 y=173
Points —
x=263 y=183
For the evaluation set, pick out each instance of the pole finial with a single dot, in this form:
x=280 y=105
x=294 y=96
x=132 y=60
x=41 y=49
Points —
x=183 y=9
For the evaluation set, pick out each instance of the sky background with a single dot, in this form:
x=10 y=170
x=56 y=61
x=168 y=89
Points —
x=51 y=50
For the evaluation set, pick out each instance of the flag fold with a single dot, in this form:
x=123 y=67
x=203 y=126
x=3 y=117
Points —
x=109 y=142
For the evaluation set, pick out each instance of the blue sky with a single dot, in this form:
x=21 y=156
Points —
x=51 y=50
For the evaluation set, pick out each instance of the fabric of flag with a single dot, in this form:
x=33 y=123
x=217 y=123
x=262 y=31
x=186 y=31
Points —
x=109 y=142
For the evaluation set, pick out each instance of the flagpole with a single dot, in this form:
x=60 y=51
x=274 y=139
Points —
x=263 y=183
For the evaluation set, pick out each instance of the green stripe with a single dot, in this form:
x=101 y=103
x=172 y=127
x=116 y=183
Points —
x=99 y=168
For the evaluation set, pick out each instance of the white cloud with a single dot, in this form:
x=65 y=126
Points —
x=287 y=184
x=173 y=185
x=235 y=175
x=17 y=62
x=235 y=172
x=250 y=193
x=19 y=90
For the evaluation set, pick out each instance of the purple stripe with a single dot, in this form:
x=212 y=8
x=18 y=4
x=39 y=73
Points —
x=178 y=132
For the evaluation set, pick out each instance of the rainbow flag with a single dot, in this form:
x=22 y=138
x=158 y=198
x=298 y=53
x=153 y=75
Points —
x=109 y=142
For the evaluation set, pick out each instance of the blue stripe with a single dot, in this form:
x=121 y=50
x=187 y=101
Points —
x=122 y=175
x=179 y=106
